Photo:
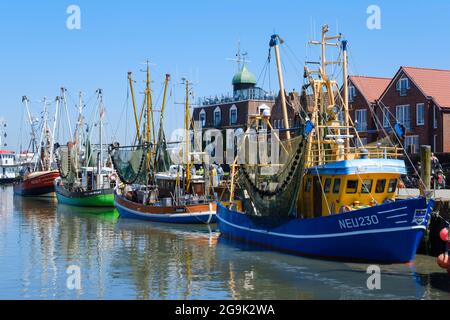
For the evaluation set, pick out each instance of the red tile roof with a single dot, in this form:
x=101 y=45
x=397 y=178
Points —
x=433 y=82
x=370 y=87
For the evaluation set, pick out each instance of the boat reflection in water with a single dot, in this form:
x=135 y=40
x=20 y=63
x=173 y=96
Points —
x=129 y=259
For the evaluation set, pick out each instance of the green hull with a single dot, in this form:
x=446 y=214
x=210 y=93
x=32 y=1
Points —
x=100 y=198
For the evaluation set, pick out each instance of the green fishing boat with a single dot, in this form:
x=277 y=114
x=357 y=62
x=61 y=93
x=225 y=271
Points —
x=87 y=177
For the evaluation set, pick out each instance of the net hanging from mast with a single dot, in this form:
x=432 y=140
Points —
x=272 y=189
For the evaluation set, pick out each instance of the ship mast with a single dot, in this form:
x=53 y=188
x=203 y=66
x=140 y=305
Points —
x=100 y=160
x=187 y=135
x=138 y=131
x=328 y=138
x=55 y=121
x=148 y=96
x=275 y=41
x=25 y=101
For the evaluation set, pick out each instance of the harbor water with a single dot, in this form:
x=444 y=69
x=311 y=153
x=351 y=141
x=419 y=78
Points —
x=41 y=241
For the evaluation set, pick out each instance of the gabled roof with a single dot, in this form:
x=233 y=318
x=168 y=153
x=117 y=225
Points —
x=370 y=87
x=432 y=82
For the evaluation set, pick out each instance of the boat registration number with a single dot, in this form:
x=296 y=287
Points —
x=358 y=222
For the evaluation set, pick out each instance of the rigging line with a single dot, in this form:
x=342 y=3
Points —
x=125 y=105
x=390 y=125
x=323 y=191
x=289 y=58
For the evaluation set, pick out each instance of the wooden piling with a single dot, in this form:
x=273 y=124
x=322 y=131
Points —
x=425 y=160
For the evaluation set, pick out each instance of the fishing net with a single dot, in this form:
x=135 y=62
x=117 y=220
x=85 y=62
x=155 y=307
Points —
x=162 y=156
x=65 y=158
x=271 y=190
x=130 y=163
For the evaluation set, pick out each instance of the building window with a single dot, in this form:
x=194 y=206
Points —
x=420 y=114
x=403 y=116
x=403 y=86
x=386 y=117
x=435 y=122
x=217 y=117
x=202 y=118
x=233 y=115
x=351 y=93
x=412 y=144
x=361 y=120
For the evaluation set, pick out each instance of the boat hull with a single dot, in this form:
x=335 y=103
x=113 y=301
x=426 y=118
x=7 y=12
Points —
x=96 y=198
x=40 y=184
x=189 y=214
x=388 y=233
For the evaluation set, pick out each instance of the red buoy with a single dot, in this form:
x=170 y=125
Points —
x=444 y=234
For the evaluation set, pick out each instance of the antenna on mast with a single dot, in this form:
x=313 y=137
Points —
x=240 y=58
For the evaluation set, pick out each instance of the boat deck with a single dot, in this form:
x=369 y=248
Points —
x=439 y=195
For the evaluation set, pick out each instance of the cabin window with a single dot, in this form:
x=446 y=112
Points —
x=308 y=185
x=392 y=186
x=381 y=185
x=352 y=186
x=327 y=185
x=366 y=186
x=337 y=185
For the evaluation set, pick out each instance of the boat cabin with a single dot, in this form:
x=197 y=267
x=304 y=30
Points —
x=348 y=185
x=8 y=167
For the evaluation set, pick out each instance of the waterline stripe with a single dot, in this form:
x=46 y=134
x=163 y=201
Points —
x=319 y=236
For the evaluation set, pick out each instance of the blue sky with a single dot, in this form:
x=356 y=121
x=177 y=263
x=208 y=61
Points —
x=193 y=39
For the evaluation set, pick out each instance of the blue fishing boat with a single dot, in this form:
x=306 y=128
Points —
x=385 y=232
x=329 y=195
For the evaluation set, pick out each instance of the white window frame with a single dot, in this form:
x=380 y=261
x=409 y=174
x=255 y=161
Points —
x=386 y=117
x=401 y=118
x=412 y=140
x=351 y=93
x=361 y=126
x=233 y=108
x=219 y=111
x=202 y=121
x=435 y=119
x=420 y=120
x=403 y=93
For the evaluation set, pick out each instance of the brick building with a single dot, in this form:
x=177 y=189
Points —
x=232 y=111
x=363 y=95
x=418 y=98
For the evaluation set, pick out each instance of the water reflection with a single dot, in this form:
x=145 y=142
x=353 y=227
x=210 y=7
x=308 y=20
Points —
x=127 y=259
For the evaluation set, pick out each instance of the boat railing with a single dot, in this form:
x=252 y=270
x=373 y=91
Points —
x=327 y=155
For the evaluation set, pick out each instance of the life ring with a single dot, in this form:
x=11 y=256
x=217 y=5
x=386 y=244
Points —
x=345 y=209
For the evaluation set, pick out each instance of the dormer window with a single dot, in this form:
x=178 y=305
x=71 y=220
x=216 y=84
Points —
x=202 y=118
x=403 y=86
x=233 y=115
x=351 y=93
x=217 y=117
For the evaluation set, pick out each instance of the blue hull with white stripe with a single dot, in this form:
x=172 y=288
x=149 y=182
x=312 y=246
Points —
x=388 y=233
